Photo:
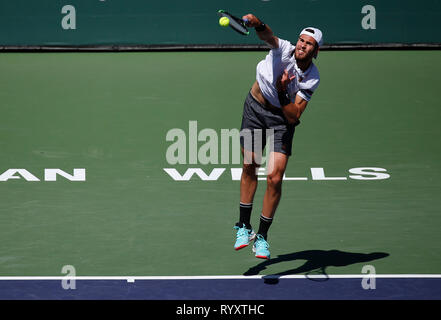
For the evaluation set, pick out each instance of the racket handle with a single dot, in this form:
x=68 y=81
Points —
x=246 y=22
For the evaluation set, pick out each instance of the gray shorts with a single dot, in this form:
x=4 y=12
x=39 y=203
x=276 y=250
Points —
x=255 y=116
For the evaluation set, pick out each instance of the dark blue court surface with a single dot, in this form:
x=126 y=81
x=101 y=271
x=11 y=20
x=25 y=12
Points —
x=226 y=289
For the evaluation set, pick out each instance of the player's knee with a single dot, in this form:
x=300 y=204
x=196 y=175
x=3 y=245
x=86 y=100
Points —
x=274 y=180
x=250 y=169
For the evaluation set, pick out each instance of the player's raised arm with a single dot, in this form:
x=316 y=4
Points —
x=263 y=31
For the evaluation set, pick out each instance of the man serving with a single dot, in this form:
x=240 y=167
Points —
x=285 y=82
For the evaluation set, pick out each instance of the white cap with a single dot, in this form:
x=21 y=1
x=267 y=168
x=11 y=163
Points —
x=315 y=33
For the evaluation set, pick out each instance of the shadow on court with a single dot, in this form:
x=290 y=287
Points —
x=316 y=262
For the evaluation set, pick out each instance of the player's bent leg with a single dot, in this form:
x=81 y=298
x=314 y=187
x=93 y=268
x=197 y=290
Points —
x=276 y=169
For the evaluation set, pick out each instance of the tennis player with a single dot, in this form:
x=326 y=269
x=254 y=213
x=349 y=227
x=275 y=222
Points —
x=285 y=82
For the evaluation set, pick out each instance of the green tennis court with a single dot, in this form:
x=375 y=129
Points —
x=109 y=114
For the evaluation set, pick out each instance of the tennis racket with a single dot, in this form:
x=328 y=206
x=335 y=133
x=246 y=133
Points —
x=237 y=24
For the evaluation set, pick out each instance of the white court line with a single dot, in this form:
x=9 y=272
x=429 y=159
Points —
x=232 y=277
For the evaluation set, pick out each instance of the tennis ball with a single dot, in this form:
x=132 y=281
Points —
x=224 y=21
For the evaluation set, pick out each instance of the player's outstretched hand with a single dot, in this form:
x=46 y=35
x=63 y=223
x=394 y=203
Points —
x=252 y=20
x=284 y=80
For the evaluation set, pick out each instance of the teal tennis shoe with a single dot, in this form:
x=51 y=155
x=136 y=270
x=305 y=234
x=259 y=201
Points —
x=260 y=248
x=243 y=237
